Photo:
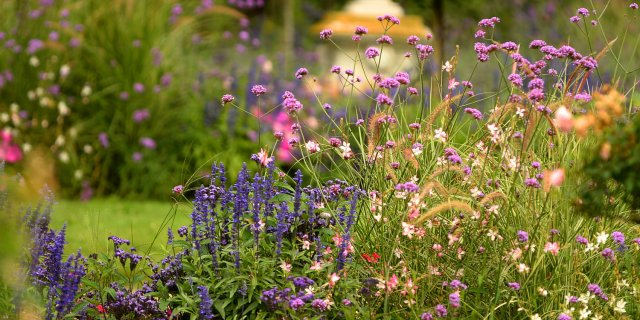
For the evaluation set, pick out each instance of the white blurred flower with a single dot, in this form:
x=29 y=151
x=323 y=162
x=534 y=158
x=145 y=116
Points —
x=33 y=61
x=87 y=149
x=4 y=117
x=86 y=91
x=535 y=316
x=64 y=70
x=77 y=174
x=26 y=147
x=520 y=112
x=60 y=140
x=63 y=108
x=64 y=157
x=14 y=107
x=46 y=102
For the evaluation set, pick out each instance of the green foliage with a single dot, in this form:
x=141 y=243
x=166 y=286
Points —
x=612 y=173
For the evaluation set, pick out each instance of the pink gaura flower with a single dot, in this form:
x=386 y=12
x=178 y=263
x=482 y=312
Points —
x=286 y=267
x=453 y=83
x=392 y=282
x=552 y=247
x=178 y=189
x=263 y=158
x=333 y=278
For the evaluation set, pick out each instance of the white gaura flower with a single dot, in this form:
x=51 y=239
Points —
x=312 y=146
x=440 y=135
x=619 y=308
x=585 y=313
x=523 y=268
x=346 y=150
x=447 y=67
x=590 y=247
x=602 y=237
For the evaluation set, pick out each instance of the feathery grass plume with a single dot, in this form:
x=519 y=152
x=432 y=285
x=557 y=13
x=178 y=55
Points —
x=445 y=206
x=433 y=185
x=374 y=131
x=502 y=110
x=579 y=85
x=408 y=155
x=491 y=196
x=532 y=124
x=605 y=49
x=444 y=169
x=434 y=114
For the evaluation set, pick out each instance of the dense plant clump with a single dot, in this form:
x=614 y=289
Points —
x=454 y=201
x=254 y=248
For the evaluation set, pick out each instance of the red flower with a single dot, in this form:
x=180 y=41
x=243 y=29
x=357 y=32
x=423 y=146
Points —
x=373 y=258
x=101 y=309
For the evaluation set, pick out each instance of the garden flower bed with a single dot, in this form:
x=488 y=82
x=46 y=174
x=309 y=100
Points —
x=425 y=196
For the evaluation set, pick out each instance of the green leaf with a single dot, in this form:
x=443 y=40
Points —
x=90 y=283
x=281 y=198
x=284 y=185
x=110 y=291
x=220 y=305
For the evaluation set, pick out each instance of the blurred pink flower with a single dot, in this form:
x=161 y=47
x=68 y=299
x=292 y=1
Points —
x=563 y=119
x=9 y=151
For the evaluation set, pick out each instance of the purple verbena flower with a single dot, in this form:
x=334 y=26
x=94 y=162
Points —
x=258 y=90
x=440 y=311
x=475 y=113
x=147 y=143
x=301 y=72
x=523 y=236
x=514 y=286
x=360 y=30
x=326 y=34
x=227 y=98
x=371 y=52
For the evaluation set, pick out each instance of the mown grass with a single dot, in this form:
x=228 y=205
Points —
x=90 y=223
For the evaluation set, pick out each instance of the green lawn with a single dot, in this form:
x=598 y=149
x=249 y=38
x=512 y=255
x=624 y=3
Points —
x=90 y=223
